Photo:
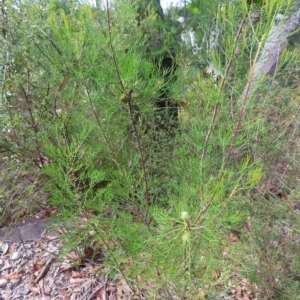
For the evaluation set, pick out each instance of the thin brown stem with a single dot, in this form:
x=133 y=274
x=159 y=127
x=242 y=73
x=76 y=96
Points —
x=216 y=107
x=112 y=48
x=215 y=112
x=106 y=244
x=239 y=32
x=143 y=161
x=103 y=134
x=33 y=122
x=235 y=132
x=129 y=95
x=56 y=95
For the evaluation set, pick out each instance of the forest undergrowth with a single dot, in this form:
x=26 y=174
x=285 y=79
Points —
x=188 y=182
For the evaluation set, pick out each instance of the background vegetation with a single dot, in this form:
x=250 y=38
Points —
x=190 y=203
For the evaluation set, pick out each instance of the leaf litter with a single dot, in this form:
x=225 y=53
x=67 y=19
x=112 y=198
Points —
x=38 y=272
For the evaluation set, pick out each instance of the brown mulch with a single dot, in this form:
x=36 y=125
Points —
x=34 y=270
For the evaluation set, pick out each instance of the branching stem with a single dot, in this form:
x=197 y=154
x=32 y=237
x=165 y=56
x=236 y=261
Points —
x=129 y=96
x=235 y=132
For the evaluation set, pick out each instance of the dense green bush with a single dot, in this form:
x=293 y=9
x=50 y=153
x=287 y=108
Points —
x=79 y=98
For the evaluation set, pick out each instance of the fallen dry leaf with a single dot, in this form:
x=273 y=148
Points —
x=60 y=230
x=35 y=289
x=46 y=213
x=74 y=258
x=217 y=274
x=238 y=291
x=201 y=293
x=184 y=102
x=65 y=294
x=76 y=280
x=65 y=266
x=12 y=276
x=38 y=265
x=130 y=261
x=96 y=269
x=44 y=270
x=47 y=290
x=76 y=274
x=248 y=226
x=266 y=230
x=283 y=196
x=101 y=295
x=12 y=247
x=126 y=289
x=119 y=291
x=233 y=239
x=41 y=160
x=225 y=250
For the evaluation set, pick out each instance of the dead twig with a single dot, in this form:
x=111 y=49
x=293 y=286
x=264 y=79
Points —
x=102 y=286
x=44 y=270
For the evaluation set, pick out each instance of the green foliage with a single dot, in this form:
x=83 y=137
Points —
x=79 y=98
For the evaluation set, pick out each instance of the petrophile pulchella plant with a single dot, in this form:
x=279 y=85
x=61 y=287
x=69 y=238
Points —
x=157 y=149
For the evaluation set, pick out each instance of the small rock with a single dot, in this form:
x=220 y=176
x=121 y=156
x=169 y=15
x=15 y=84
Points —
x=5 y=295
x=28 y=246
x=52 y=249
x=22 y=290
x=3 y=282
x=16 y=256
x=4 y=248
